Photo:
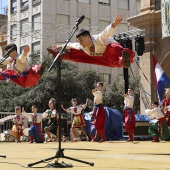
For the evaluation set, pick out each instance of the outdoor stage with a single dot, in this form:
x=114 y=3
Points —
x=113 y=155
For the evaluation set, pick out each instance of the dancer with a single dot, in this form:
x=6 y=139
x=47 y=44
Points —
x=19 y=70
x=105 y=50
x=17 y=129
x=165 y=104
x=78 y=120
x=51 y=114
x=160 y=128
x=99 y=114
x=129 y=117
x=35 y=128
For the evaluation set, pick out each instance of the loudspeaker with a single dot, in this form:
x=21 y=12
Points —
x=141 y=130
x=64 y=126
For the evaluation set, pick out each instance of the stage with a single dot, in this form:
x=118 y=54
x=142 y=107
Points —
x=110 y=155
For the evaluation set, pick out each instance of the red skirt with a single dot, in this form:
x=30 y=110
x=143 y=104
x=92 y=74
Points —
x=26 y=79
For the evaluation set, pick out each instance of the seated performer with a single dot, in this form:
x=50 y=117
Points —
x=105 y=50
x=160 y=128
x=35 y=128
x=17 y=129
x=19 y=71
x=129 y=117
x=78 y=120
x=51 y=114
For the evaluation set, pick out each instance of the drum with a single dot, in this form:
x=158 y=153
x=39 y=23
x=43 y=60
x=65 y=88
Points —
x=25 y=132
x=10 y=138
x=2 y=137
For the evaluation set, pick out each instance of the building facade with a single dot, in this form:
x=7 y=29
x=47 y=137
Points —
x=42 y=23
x=150 y=18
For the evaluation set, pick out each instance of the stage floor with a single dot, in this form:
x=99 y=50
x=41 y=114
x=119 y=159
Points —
x=113 y=155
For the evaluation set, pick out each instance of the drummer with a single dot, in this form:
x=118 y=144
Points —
x=17 y=129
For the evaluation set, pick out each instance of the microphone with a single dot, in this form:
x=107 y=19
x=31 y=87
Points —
x=79 y=20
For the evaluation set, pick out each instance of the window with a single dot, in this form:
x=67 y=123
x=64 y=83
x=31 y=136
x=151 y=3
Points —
x=138 y=6
x=36 y=48
x=105 y=2
x=84 y=1
x=13 y=6
x=13 y=32
x=36 y=22
x=62 y=19
x=157 y=4
x=84 y=24
x=24 y=27
x=24 y=3
x=106 y=78
x=124 y=4
x=103 y=25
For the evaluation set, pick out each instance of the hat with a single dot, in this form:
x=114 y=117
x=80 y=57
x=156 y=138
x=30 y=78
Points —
x=17 y=108
x=74 y=99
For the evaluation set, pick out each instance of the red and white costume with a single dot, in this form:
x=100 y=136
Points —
x=78 y=119
x=129 y=117
x=17 y=127
x=20 y=72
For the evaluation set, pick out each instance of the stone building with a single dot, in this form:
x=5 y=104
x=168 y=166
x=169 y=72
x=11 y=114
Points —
x=150 y=19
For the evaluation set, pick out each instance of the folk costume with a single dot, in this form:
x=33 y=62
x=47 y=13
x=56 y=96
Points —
x=166 y=103
x=78 y=119
x=160 y=128
x=105 y=51
x=129 y=116
x=35 y=128
x=17 y=128
x=20 y=72
x=99 y=116
x=51 y=115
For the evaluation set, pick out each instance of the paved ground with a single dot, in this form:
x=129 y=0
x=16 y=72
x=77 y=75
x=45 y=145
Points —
x=113 y=155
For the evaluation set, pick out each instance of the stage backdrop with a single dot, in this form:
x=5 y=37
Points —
x=165 y=18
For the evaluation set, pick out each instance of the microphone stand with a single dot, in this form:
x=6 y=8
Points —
x=60 y=153
x=4 y=58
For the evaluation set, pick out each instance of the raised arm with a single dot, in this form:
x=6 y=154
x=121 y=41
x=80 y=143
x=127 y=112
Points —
x=22 y=58
x=27 y=115
x=110 y=29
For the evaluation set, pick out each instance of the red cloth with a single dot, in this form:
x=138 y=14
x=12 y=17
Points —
x=27 y=79
x=130 y=122
x=111 y=57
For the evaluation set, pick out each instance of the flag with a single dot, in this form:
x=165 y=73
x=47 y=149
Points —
x=160 y=78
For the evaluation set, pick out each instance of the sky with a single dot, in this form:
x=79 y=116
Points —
x=3 y=3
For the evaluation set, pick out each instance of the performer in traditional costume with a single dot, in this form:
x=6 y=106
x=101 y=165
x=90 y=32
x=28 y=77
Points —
x=99 y=114
x=34 y=132
x=17 y=129
x=52 y=116
x=78 y=119
x=129 y=117
x=19 y=70
x=165 y=104
x=160 y=128
x=105 y=50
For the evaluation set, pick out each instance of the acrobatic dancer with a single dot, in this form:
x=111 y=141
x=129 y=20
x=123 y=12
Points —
x=105 y=50
x=19 y=70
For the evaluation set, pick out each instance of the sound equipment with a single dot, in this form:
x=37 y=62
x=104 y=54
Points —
x=141 y=130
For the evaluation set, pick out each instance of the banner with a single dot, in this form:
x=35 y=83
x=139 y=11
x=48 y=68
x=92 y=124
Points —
x=165 y=18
